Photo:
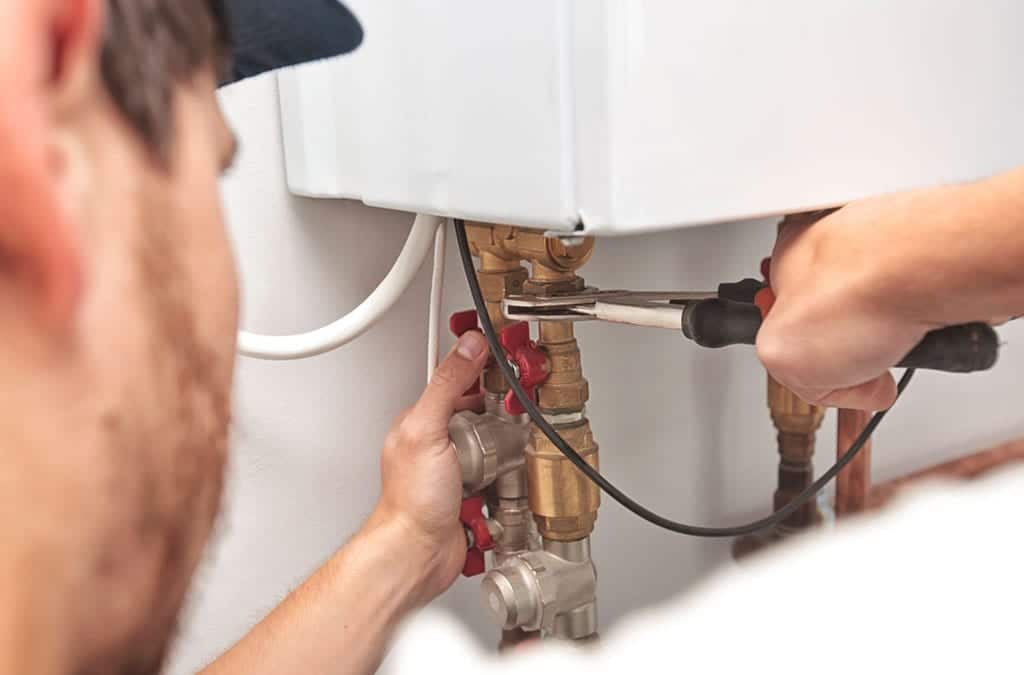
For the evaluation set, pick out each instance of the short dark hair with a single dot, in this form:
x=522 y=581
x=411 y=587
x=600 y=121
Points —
x=152 y=46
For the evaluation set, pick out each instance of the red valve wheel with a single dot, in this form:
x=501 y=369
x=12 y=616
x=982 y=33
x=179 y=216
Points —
x=531 y=364
x=472 y=517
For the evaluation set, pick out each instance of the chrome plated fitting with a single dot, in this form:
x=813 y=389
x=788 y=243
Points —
x=487 y=446
x=553 y=590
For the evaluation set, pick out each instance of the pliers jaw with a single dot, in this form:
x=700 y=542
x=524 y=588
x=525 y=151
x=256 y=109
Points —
x=653 y=309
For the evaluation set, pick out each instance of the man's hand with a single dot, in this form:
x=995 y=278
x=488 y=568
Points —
x=422 y=484
x=840 y=319
x=410 y=550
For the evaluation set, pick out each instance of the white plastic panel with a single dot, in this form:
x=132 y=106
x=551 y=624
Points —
x=633 y=115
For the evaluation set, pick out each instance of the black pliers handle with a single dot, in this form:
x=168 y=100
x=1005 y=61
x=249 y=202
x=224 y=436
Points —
x=735 y=316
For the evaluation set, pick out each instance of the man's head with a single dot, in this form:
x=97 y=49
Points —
x=118 y=315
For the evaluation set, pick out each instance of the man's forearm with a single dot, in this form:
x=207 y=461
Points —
x=966 y=262
x=341 y=619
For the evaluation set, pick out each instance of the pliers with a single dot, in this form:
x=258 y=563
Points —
x=733 y=315
x=652 y=309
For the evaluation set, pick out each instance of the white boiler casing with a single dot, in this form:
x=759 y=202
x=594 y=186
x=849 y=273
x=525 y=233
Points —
x=620 y=116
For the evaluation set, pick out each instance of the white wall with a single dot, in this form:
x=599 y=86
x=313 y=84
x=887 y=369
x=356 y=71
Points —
x=694 y=441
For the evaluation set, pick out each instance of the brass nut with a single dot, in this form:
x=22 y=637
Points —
x=535 y=287
x=496 y=286
x=796 y=447
x=566 y=363
x=784 y=402
x=566 y=529
x=561 y=398
x=799 y=424
x=564 y=502
x=494 y=381
x=790 y=413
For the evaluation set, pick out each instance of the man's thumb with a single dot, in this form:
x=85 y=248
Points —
x=453 y=377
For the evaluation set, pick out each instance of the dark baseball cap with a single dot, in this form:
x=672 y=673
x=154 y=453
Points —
x=272 y=34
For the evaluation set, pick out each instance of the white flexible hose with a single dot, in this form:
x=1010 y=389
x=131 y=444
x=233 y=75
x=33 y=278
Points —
x=360 y=319
x=436 y=295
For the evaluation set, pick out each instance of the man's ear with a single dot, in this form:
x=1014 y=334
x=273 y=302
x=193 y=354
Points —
x=47 y=70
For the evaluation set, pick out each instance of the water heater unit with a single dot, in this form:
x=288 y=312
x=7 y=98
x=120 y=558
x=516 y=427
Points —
x=617 y=116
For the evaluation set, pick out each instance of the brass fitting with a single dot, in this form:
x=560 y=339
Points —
x=501 y=249
x=565 y=390
x=515 y=243
x=797 y=423
x=563 y=501
x=499 y=277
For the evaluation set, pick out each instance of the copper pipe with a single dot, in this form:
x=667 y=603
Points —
x=965 y=468
x=853 y=484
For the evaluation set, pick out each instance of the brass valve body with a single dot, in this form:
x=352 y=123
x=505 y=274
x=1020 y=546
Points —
x=797 y=423
x=564 y=502
x=515 y=244
x=565 y=390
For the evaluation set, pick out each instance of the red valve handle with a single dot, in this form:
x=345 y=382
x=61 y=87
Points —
x=531 y=362
x=472 y=516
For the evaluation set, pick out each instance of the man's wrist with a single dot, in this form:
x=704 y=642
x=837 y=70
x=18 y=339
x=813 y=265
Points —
x=397 y=546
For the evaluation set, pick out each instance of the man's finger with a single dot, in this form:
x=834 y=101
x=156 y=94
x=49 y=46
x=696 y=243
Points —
x=460 y=369
x=878 y=394
x=474 y=402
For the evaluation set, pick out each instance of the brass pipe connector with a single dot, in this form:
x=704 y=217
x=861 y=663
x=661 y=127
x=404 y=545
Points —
x=515 y=243
x=565 y=390
x=797 y=423
x=564 y=502
x=558 y=594
x=499 y=277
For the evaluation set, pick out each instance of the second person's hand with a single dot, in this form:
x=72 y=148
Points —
x=842 y=316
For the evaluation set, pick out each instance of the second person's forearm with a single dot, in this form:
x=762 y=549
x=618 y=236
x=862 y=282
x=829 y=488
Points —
x=966 y=262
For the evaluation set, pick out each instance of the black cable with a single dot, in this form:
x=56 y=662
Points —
x=602 y=482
